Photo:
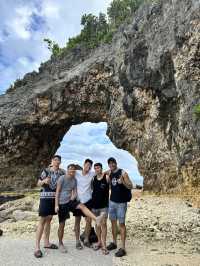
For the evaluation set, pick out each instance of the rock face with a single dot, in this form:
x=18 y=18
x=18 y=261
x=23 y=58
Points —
x=144 y=85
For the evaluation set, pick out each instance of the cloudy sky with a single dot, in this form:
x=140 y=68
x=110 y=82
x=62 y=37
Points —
x=23 y=26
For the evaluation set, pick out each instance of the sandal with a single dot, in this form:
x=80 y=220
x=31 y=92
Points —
x=105 y=251
x=79 y=246
x=38 y=254
x=96 y=247
x=52 y=246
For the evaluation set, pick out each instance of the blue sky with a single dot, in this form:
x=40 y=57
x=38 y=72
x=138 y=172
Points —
x=89 y=140
x=23 y=26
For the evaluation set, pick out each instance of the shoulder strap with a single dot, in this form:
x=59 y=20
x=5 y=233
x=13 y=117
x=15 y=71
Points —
x=120 y=171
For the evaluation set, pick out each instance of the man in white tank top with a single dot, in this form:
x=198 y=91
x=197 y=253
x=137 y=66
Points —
x=84 y=178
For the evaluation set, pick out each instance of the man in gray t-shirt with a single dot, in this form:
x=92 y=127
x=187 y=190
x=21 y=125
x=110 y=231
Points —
x=65 y=202
x=67 y=185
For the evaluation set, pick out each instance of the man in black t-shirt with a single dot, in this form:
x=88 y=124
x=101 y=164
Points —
x=100 y=199
x=48 y=182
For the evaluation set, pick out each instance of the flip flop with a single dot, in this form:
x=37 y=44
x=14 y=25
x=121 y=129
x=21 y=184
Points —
x=105 y=251
x=38 y=254
x=52 y=246
x=63 y=249
x=79 y=246
x=96 y=247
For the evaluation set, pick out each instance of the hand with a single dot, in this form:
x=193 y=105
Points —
x=47 y=180
x=56 y=209
x=107 y=177
x=119 y=181
x=73 y=197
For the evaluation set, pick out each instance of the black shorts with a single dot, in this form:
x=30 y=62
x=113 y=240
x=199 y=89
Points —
x=65 y=209
x=78 y=212
x=47 y=207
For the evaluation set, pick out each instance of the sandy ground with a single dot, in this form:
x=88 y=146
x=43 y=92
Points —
x=15 y=251
x=161 y=231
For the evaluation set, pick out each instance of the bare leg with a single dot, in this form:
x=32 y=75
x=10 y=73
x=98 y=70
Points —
x=61 y=233
x=77 y=228
x=98 y=232
x=47 y=229
x=87 y=228
x=86 y=211
x=123 y=234
x=104 y=233
x=114 y=230
x=39 y=232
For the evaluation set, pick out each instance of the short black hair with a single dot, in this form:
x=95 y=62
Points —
x=71 y=165
x=98 y=164
x=111 y=159
x=88 y=161
x=57 y=156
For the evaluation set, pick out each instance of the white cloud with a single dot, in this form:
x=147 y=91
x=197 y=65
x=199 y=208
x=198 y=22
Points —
x=50 y=9
x=89 y=140
x=19 y=24
x=60 y=20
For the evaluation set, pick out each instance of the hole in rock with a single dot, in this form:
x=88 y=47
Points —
x=89 y=140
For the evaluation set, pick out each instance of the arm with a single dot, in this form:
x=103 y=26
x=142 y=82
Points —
x=58 y=189
x=74 y=194
x=44 y=179
x=125 y=180
x=107 y=173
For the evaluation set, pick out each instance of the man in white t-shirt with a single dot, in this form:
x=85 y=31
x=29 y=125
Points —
x=84 y=178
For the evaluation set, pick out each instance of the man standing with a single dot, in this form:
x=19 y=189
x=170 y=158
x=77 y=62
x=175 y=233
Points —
x=84 y=191
x=121 y=186
x=47 y=181
x=100 y=199
x=65 y=202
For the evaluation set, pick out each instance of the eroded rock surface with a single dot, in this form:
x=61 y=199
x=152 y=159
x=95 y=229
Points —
x=144 y=85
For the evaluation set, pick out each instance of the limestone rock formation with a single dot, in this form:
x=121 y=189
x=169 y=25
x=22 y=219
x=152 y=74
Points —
x=144 y=85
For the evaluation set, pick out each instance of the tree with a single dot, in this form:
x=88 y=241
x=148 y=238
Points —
x=53 y=47
x=102 y=23
x=120 y=10
x=96 y=29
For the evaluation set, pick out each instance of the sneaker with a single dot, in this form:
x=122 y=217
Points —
x=111 y=246
x=120 y=253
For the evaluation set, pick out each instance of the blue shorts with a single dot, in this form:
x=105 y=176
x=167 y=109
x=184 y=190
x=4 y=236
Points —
x=117 y=211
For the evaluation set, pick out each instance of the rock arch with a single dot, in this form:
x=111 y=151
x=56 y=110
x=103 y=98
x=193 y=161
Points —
x=144 y=85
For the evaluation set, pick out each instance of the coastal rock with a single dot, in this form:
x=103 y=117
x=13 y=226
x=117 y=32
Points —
x=24 y=215
x=144 y=84
x=23 y=209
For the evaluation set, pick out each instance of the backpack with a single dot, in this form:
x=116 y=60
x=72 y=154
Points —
x=92 y=237
x=127 y=191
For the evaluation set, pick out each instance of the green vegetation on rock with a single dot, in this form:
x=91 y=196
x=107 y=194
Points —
x=197 y=110
x=99 y=29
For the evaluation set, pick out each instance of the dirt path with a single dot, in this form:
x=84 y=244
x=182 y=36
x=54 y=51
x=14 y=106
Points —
x=14 y=252
x=20 y=252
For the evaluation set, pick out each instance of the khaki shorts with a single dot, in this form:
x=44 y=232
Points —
x=98 y=212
